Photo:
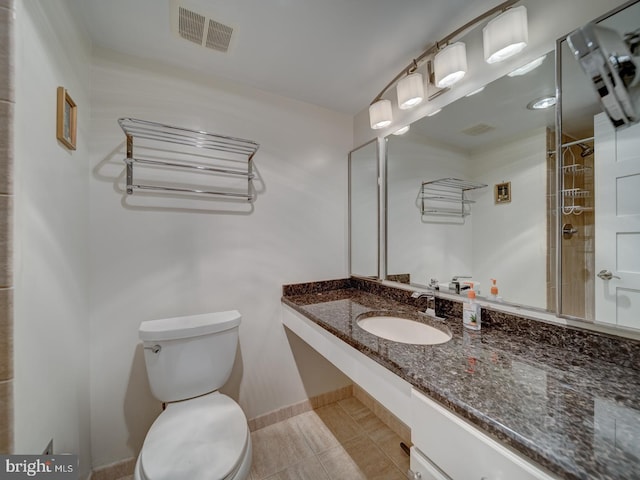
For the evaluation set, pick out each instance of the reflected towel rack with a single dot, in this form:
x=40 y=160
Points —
x=435 y=193
x=204 y=153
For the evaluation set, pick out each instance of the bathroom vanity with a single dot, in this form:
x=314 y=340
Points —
x=519 y=399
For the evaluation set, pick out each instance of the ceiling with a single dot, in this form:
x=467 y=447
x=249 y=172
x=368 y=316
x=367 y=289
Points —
x=497 y=114
x=337 y=54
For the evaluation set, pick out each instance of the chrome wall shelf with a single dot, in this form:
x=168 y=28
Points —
x=200 y=152
x=437 y=197
x=576 y=193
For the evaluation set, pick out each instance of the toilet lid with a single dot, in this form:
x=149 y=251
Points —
x=201 y=438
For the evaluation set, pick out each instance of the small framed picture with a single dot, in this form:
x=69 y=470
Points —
x=503 y=192
x=67 y=115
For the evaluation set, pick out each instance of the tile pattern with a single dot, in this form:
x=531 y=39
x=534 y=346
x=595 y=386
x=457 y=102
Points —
x=6 y=333
x=342 y=440
x=7 y=100
x=555 y=394
x=305 y=406
x=388 y=418
x=122 y=470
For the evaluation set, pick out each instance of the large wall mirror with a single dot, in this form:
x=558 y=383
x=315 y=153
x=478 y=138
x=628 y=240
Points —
x=468 y=192
x=471 y=194
x=600 y=201
x=364 y=210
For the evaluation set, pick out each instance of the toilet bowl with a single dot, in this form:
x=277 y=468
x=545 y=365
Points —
x=202 y=434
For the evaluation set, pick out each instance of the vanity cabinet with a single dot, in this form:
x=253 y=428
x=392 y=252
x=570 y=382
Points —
x=445 y=446
x=421 y=467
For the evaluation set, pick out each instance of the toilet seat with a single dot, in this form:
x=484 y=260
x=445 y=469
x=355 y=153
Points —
x=201 y=438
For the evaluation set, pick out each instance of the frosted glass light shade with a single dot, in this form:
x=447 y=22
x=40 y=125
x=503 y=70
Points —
x=450 y=64
x=410 y=91
x=402 y=130
x=505 y=35
x=528 y=67
x=380 y=114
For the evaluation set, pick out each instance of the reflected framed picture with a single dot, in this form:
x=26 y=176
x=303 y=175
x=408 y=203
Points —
x=67 y=115
x=502 y=193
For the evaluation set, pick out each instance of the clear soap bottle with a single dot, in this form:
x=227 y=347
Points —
x=471 y=311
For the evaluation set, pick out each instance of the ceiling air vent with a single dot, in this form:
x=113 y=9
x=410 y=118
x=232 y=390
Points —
x=190 y=25
x=478 y=129
x=199 y=28
x=218 y=36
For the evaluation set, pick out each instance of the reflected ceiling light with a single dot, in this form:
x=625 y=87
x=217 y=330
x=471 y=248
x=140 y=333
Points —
x=380 y=114
x=450 y=65
x=523 y=70
x=410 y=91
x=542 y=103
x=434 y=112
x=471 y=94
x=505 y=35
x=402 y=131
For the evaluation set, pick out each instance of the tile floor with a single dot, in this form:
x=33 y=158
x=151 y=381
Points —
x=341 y=441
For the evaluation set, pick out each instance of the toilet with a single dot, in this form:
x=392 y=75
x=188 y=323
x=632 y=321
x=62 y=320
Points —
x=201 y=434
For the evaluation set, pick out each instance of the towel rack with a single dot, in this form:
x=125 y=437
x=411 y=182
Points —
x=203 y=153
x=436 y=194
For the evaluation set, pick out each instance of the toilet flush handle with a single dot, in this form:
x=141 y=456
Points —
x=154 y=348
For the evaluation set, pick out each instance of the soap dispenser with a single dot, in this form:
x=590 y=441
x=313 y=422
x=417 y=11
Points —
x=494 y=291
x=471 y=310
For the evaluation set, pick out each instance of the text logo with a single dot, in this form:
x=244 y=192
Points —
x=45 y=467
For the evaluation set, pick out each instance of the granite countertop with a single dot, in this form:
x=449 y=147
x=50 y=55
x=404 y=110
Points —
x=566 y=398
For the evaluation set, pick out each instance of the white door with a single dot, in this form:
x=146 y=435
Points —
x=617 y=224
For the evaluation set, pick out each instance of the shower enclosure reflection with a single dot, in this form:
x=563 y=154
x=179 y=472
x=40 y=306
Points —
x=594 y=198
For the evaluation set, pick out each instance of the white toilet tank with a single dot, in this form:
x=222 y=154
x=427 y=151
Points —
x=191 y=355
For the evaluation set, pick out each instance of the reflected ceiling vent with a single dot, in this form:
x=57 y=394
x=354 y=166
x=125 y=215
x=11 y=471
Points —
x=478 y=129
x=199 y=28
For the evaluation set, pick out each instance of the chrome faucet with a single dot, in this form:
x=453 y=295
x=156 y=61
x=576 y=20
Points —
x=455 y=283
x=430 y=296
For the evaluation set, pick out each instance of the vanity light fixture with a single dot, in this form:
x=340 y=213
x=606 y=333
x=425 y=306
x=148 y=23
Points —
x=505 y=35
x=542 y=103
x=410 y=91
x=450 y=65
x=380 y=115
x=402 y=131
x=523 y=70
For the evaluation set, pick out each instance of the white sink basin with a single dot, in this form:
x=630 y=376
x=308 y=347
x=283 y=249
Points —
x=403 y=330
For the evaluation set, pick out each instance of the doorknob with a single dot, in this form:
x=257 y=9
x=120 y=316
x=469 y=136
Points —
x=606 y=275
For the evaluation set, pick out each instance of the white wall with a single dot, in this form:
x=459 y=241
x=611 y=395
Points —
x=151 y=263
x=51 y=236
x=510 y=240
x=424 y=246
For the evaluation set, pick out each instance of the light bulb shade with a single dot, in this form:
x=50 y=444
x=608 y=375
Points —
x=380 y=114
x=402 y=130
x=410 y=91
x=450 y=64
x=505 y=35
